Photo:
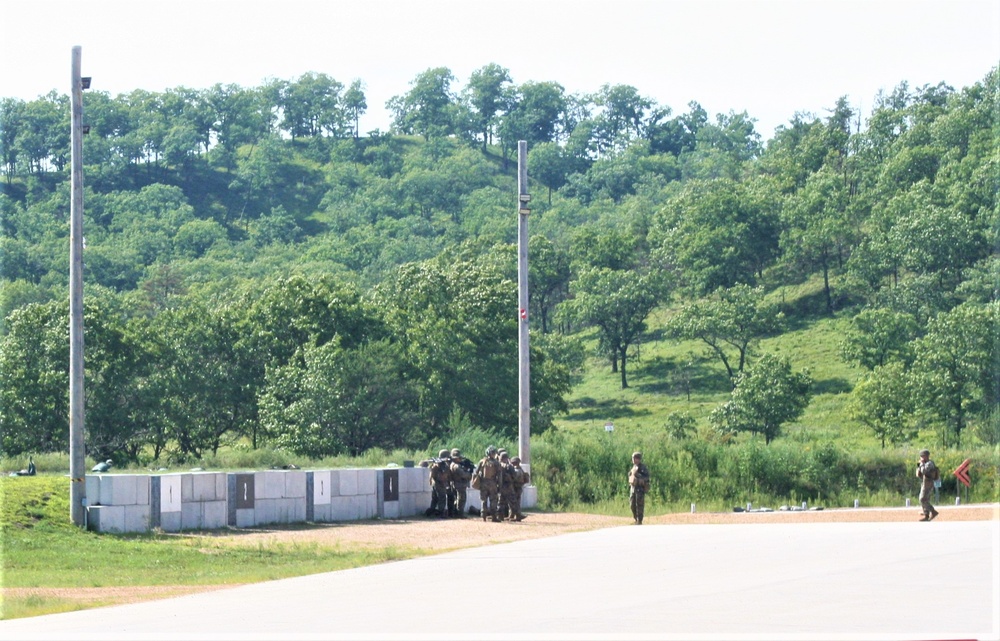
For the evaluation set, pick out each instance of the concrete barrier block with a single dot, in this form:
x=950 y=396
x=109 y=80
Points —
x=106 y=518
x=142 y=489
x=367 y=482
x=117 y=489
x=348 y=482
x=321 y=513
x=295 y=485
x=297 y=510
x=407 y=505
x=529 y=496
x=215 y=515
x=413 y=479
x=390 y=510
x=170 y=493
x=334 y=483
x=191 y=515
x=272 y=483
x=93 y=489
x=136 y=518
x=245 y=517
x=187 y=487
x=321 y=488
x=203 y=486
x=342 y=508
x=170 y=521
x=221 y=486
x=265 y=511
x=369 y=506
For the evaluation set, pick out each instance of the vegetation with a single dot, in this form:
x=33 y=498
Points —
x=261 y=277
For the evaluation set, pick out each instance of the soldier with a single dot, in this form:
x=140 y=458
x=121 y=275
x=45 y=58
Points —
x=440 y=479
x=489 y=474
x=506 y=487
x=638 y=480
x=461 y=474
x=519 y=480
x=927 y=472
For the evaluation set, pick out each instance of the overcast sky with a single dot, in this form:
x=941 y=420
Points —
x=770 y=58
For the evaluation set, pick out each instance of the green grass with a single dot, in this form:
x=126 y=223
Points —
x=41 y=548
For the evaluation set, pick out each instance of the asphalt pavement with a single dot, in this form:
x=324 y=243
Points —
x=808 y=581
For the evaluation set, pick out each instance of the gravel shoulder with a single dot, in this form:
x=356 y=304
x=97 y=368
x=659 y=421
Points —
x=433 y=536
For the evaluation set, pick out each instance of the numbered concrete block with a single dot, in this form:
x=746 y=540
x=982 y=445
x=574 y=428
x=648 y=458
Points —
x=390 y=510
x=321 y=488
x=321 y=513
x=170 y=493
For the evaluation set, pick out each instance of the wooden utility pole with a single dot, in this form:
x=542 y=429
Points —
x=524 y=364
x=77 y=455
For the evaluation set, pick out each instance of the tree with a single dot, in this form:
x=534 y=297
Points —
x=617 y=303
x=488 y=94
x=879 y=336
x=719 y=233
x=883 y=402
x=313 y=106
x=767 y=396
x=428 y=108
x=355 y=104
x=733 y=319
x=548 y=278
x=956 y=367
x=342 y=401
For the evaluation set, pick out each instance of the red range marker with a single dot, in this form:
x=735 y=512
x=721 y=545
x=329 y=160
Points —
x=962 y=472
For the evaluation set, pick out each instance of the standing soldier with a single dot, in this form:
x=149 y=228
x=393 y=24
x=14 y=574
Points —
x=506 y=487
x=520 y=479
x=638 y=480
x=927 y=472
x=461 y=474
x=489 y=474
x=440 y=481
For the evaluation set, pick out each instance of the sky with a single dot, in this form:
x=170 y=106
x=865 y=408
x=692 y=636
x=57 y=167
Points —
x=770 y=58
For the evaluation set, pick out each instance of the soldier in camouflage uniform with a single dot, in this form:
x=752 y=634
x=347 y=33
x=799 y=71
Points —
x=440 y=480
x=506 y=486
x=489 y=473
x=638 y=480
x=927 y=472
x=461 y=475
x=519 y=478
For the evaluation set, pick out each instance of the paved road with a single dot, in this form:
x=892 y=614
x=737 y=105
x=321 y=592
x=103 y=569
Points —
x=872 y=581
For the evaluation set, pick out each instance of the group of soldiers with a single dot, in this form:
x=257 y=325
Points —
x=499 y=479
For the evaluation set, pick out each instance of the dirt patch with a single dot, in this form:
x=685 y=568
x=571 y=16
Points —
x=440 y=535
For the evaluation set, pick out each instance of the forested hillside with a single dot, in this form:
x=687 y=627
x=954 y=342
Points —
x=260 y=271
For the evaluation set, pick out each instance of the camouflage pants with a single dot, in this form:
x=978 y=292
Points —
x=459 y=491
x=506 y=501
x=637 y=501
x=439 y=499
x=925 y=499
x=515 y=504
x=489 y=495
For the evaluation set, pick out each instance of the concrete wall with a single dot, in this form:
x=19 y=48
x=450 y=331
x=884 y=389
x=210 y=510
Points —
x=122 y=503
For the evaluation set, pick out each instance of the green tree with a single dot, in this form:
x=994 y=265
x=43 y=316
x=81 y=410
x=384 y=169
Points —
x=488 y=94
x=767 y=396
x=878 y=336
x=733 y=320
x=883 y=402
x=428 y=108
x=617 y=303
x=342 y=401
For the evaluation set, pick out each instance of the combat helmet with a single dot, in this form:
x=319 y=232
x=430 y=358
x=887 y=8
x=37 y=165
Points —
x=490 y=451
x=455 y=452
x=443 y=454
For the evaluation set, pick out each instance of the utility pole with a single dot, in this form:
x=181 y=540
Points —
x=524 y=364
x=77 y=455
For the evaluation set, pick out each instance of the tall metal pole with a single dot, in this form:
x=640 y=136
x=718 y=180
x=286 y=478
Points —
x=524 y=364
x=77 y=456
